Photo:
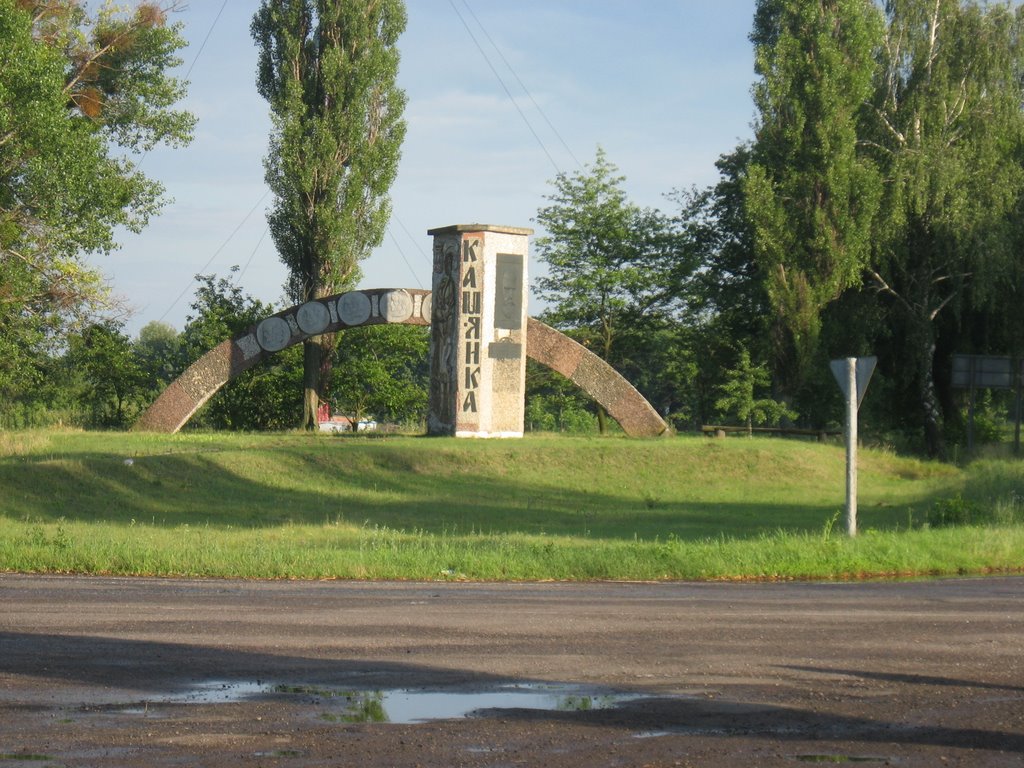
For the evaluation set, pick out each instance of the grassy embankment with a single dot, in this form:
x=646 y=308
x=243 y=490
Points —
x=293 y=506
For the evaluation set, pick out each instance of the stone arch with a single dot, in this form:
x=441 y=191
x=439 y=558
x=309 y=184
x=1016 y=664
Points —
x=201 y=380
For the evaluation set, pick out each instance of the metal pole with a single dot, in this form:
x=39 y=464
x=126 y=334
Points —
x=851 y=446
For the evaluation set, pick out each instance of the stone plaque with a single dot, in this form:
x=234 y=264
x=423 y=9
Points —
x=396 y=306
x=313 y=317
x=273 y=334
x=354 y=308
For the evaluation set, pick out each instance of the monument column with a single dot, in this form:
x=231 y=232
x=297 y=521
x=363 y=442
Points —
x=478 y=331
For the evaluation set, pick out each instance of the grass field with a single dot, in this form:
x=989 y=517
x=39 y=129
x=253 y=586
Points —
x=297 y=506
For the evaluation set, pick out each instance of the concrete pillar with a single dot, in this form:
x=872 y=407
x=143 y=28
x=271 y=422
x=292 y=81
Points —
x=478 y=331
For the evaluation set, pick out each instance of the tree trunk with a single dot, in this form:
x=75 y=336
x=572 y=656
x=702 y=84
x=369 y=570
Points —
x=317 y=363
x=923 y=353
x=311 y=361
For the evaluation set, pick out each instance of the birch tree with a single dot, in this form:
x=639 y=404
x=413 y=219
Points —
x=946 y=128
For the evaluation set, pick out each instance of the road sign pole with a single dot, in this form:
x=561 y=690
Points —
x=851 y=446
x=853 y=376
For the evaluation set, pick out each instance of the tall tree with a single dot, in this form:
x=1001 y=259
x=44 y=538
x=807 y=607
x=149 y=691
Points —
x=810 y=197
x=328 y=69
x=76 y=92
x=610 y=263
x=948 y=130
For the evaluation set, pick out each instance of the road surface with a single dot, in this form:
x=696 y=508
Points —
x=144 y=672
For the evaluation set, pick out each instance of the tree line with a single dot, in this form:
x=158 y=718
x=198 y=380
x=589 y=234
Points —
x=875 y=211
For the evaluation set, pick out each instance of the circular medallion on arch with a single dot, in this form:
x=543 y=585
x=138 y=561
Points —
x=313 y=317
x=426 y=306
x=396 y=306
x=273 y=334
x=354 y=308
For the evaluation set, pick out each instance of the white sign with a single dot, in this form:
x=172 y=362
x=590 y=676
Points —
x=865 y=367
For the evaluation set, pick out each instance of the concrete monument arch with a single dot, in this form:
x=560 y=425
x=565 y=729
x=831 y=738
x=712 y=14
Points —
x=190 y=391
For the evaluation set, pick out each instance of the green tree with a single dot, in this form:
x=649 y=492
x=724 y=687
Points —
x=113 y=379
x=328 y=68
x=946 y=127
x=609 y=262
x=810 y=196
x=555 y=404
x=265 y=396
x=76 y=90
x=382 y=372
x=739 y=395
x=158 y=349
x=727 y=300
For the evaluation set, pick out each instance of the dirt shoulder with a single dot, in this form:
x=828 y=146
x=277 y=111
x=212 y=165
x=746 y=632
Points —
x=119 y=672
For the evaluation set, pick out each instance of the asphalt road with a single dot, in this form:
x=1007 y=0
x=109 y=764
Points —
x=141 y=672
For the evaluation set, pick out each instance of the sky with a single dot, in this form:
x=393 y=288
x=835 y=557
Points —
x=663 y=86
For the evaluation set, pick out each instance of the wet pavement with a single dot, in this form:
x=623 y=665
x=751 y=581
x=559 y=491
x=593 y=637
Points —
x=123 y=672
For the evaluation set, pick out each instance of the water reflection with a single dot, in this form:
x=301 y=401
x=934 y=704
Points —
x=345 y=705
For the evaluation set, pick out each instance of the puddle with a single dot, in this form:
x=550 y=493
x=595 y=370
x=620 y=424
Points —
x=402 y=706
x=420 y=706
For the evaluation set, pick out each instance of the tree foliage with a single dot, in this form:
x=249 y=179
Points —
x=327 y=68
x=740 y=395
x=112 y=380
x=264 y=397
x=946 y=130
x=76 y=90
x=610 y=264
x=382 y=372
x=810 y=196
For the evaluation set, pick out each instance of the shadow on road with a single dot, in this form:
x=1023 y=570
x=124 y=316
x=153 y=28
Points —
x=143 y=667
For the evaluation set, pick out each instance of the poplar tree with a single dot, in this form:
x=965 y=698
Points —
x=327 y=68
x=810 y=196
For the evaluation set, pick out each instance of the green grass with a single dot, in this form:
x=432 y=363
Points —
x=297 y=506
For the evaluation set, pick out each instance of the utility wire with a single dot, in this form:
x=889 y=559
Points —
x=206 y=39
x=202 y=47
x=401 y=253
x=521 y=84
x=191 y=66
x=505 y=87
x=416 y=242
x=217 y=252
x=238 y=280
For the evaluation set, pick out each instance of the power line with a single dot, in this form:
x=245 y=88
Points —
x=505 y=87
x=191 y=66
x=238 y=280
x=402 y=254
x=206 y=39
x=521 y=84
x=217 y=252
x=416 y=242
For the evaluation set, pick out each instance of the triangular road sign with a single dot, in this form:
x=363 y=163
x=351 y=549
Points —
x=865 y=367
